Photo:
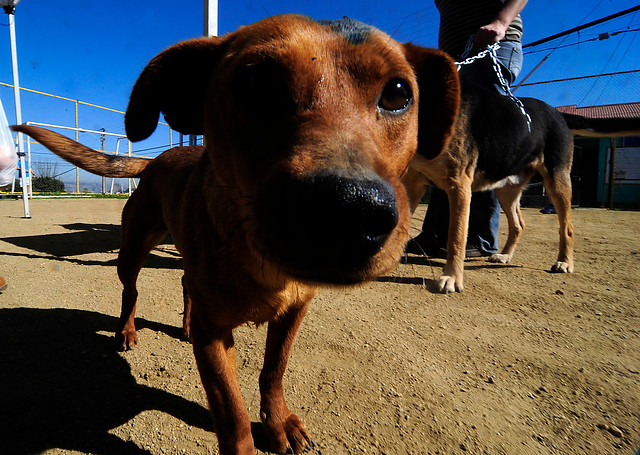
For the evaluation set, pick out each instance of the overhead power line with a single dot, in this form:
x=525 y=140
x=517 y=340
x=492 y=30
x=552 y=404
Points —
x=582 y=27
x=600 y=37
x=580 y=77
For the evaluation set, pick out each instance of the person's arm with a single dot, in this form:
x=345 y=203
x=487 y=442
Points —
x=496 y=29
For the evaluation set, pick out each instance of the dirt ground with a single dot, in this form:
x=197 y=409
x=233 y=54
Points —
x=523 y=362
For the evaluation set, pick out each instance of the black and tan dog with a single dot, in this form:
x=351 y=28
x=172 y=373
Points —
x=492 y=148
x=309 y=128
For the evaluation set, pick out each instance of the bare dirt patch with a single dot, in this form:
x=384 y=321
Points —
x=523 y=362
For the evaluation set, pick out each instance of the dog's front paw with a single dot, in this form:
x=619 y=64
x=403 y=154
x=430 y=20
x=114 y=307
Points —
x=500 y=258
x=448 y=284
x=562 y=267
x=288 y=435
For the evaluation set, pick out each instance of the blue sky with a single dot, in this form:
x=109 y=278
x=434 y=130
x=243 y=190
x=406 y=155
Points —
x=93 y=51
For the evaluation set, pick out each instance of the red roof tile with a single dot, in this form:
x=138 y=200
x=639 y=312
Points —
x=623 y=110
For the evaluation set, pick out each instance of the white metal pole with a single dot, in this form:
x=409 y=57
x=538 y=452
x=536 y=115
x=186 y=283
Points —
x=210 y=18
x=16 y=94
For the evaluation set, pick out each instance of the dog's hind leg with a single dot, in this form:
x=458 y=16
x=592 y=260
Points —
x=558 y=189
x=141 y=232
x=509 y=198
x=285 y=430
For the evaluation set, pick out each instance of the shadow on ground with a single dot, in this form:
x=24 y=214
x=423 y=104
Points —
x=64 y=385
x=431 y=284
x=84 y=238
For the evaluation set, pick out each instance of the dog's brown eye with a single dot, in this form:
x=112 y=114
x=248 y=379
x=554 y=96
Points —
x=396 y=96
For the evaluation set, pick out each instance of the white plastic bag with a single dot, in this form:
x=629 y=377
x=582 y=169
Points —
x=8 y=155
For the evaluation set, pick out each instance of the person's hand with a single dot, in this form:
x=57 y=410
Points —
x=490 y=34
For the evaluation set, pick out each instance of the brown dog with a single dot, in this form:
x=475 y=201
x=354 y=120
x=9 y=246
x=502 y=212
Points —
x=309 y=128
x=493 y=148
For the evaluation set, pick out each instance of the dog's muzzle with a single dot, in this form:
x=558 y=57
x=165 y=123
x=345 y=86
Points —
x=327 y=228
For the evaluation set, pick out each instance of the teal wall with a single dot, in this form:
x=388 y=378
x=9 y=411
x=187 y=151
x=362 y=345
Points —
x=623 y=193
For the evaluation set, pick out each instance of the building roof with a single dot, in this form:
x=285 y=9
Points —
x=623 y=110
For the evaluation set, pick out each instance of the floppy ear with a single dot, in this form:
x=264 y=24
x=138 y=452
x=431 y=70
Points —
x=175 y=83
x=439 y=97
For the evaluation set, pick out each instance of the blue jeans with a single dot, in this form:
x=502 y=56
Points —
x=481 y=72
x=484 y=217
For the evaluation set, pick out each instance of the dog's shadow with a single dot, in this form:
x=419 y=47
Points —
x=64 y=385
x=79 y=238
x=84 y=238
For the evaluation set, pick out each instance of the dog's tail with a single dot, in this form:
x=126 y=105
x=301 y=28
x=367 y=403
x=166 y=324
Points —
x=88 y=159
x=602 y=127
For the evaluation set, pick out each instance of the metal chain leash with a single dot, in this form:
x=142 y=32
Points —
x=482 y=54
x=492 y=51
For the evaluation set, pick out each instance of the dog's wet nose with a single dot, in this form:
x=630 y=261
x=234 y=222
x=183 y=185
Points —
x=363 y=211
x=331 y=226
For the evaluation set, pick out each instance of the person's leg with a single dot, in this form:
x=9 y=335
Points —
x=482 y=73
x=434 y=227
x=484 y=214
x=436 y=220
x=510 y=56
x=484 y=218
x=484 y=223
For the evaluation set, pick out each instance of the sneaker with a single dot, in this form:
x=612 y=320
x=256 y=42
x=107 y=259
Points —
x=548 y=209
x=472 y=252
x=469 y=253
x=475 y=252
x=415 y=246
x=419 y=246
